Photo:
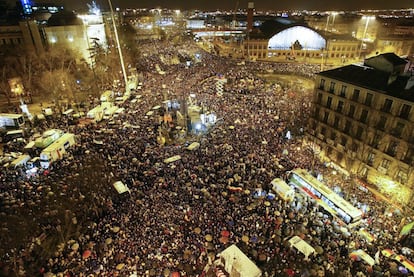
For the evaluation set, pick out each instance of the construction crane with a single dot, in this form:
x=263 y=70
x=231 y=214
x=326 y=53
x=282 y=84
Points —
x=233 y=23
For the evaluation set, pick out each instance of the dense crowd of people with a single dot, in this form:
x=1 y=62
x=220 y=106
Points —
x=70 y=221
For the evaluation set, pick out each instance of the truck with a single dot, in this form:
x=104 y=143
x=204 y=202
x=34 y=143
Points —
x=20 y=161
x=48 y=137
x=56 y=150
x=11 y=121
x=96 y=113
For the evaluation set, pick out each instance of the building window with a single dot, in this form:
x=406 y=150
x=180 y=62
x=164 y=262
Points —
x=336 y=122
x=402 y=176
x=405 y=111
x=317 y=111
x=381 y=123
x=370 y=158
x=329 y=102
x=332 y=87
x=354 y=147
x=368 y=99
x=351 y=111
x=385 y=163
x=355 y=95
x=392 y=148
x=364 y=116
x=408 y=157
x=333 y=135
x=344 y=140
x=340 y=106
x=325 y=117
x=359 y=132
x=387 y=106
x=376 y=140
x=398 y=130
x=364 y=172
x=348 y=126
x=343 y=91
x=319 y=100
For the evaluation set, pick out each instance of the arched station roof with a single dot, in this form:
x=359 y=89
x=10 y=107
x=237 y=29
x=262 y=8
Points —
x=308 y=39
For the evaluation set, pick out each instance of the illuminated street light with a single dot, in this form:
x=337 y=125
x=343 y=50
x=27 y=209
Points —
x=367 y=19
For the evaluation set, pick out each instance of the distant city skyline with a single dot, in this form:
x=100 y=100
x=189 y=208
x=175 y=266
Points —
x=322 y=5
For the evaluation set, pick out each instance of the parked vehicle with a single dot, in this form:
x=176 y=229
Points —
x=56 y=150
x=11 y=121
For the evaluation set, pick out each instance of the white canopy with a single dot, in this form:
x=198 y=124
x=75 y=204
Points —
x=236 y=263
x=302 y=246
x=120 y=187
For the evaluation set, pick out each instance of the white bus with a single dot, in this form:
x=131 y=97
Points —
x=328 y=199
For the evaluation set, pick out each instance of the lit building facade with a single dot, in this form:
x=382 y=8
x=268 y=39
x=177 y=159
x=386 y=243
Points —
x=302 y=44
x=78 y=35
x=363 y=121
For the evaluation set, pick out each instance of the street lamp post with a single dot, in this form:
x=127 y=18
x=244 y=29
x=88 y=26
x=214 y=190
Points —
x=367 y=19
x=121 y=58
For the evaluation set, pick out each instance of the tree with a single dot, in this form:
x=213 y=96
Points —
x=4 y=85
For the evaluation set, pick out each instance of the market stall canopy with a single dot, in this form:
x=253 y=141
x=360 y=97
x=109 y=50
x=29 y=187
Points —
x=302 y=246
x=406 y=229
x=236 y=262
x=363 y=256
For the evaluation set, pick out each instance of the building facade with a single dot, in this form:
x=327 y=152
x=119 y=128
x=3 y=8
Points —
x=363 y=120
x=26 y=35
x=303 y=44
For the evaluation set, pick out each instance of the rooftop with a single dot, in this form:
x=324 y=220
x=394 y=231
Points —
x=372 y=79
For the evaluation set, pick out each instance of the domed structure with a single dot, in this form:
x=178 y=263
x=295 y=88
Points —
x=299 y=37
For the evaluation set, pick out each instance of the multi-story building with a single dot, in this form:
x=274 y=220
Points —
x=300 y=43
x=25 y=34
x=363 y=121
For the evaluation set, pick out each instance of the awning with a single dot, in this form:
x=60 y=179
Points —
x=302 y=246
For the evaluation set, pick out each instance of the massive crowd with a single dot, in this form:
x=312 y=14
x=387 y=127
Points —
x=69 y=221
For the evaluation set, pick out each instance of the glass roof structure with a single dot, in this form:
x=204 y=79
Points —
x=302 y=37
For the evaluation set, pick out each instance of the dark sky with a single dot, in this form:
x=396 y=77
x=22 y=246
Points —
x=230 y=4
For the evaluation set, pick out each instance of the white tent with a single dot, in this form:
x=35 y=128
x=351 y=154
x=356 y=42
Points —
x=236 y=263
x=302 y=246
x=120 y=187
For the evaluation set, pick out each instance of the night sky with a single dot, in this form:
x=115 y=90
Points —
x=322 y=5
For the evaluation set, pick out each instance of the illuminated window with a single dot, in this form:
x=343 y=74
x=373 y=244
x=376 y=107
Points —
x=370 y=158
x=385 y=163
x=402 y=176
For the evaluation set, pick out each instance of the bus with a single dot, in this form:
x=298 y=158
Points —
x=328 y=199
